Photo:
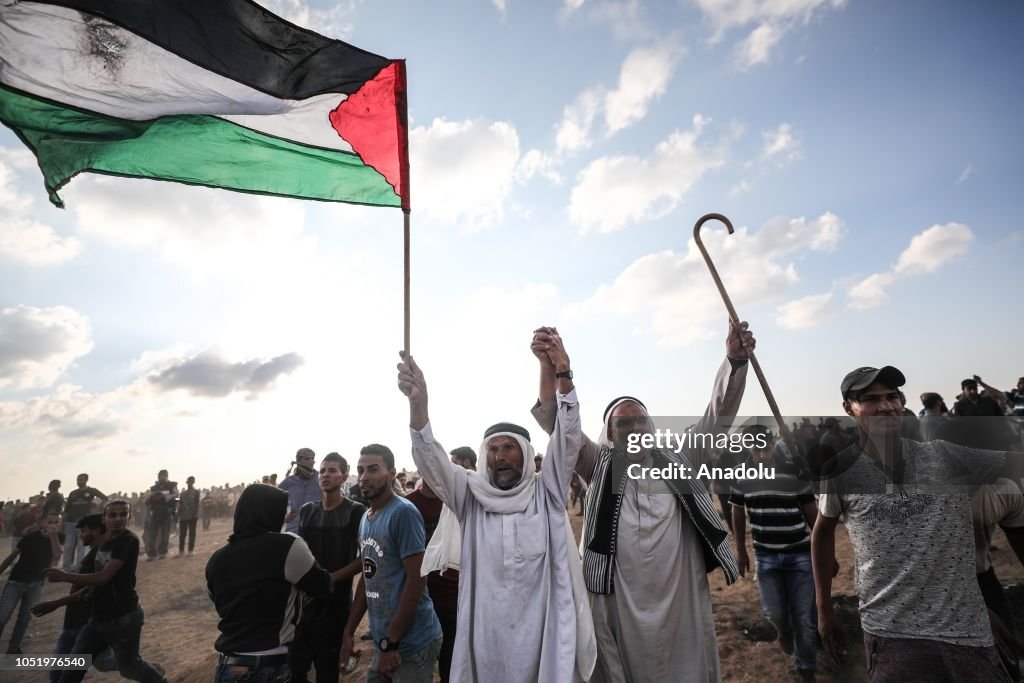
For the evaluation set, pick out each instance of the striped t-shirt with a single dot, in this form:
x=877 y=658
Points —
x=777 y=521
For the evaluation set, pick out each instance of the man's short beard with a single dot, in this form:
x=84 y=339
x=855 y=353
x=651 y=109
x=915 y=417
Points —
x=375 y=492
x=515 y=478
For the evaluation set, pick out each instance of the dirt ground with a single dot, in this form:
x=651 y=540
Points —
x=181 y=624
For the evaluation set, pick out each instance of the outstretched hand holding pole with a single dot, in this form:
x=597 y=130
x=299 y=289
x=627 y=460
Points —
x=412 y=383
x=734 y=320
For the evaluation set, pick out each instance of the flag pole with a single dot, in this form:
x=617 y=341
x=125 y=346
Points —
x=402 y=108
x=784 y=431
x=405 y=214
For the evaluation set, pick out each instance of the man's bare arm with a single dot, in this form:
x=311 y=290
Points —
x=101 y=578
x=823 y=548
x=408 y=601
x=348 y=571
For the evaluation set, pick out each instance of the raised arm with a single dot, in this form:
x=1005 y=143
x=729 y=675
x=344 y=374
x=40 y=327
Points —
x=545 y=409
x=448 y=481
x=564 y=446
x=727 y=391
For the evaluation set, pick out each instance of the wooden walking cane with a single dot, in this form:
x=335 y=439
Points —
x=784 y=431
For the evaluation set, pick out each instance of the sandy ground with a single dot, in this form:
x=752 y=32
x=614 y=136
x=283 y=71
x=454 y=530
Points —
x=181 y=624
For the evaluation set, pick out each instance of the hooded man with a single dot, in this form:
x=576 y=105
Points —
x=648 y=544
x=523 y=615
x=254 y=582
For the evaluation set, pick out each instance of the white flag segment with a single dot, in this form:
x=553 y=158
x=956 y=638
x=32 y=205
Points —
x=79 y=60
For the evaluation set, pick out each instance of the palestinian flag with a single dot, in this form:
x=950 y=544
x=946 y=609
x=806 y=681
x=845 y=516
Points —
x=207 y=92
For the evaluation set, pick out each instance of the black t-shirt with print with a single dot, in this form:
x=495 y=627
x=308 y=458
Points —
x=118 y=597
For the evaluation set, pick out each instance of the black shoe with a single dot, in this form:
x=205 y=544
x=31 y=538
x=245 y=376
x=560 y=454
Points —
x=12 y=650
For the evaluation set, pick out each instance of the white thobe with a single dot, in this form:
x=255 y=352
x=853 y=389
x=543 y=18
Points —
x=517 y=618
x=658 y=625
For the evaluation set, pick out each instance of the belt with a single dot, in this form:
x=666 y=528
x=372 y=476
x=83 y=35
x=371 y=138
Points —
x=254 y=661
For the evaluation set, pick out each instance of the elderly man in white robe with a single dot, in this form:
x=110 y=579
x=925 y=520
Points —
x=648 y=544
x=523 y=612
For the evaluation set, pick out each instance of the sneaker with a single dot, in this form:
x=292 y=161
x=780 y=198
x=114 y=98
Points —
x=786 y=642
x=14 y=650
x=163 y=557
x=806 y=675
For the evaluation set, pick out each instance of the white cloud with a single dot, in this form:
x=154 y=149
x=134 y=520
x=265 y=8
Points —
x=772 y=20
x=203 y=230
x=725 y=14
x=572 y=5
x=465 y=170
x=624 y=17
x=805 y=312
x=501 y=6
x=644 y=77
x=613 y=191
x=933 y=248
x=35 y=244
x=66 y=414
x=739 y=188
x=757 y=267
x=928 y=251
x=573 y=133
x=37 y=345
x=965 y=174
x=756 y=48
x=23 y=238
x=536 y=162
x=335 y=21
x=780 y=145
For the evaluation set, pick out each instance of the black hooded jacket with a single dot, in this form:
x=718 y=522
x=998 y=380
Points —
x=254 y=581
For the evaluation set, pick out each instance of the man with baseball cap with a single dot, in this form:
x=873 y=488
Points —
x=906 y=507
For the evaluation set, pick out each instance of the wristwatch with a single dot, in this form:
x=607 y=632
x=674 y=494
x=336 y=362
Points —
x=564 y=375
x=387 y=645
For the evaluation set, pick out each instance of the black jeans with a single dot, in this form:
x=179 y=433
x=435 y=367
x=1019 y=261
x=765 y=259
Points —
x=158 y=534
x=186 y=526
x=122 y=635
x=318 y=640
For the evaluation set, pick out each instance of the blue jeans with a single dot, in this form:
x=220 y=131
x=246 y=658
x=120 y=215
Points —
x=122 y=635
x=66 y=643
x=786 y=584
x=25 y=592
x=415 y=668
x=72 y=548
x=281 y=673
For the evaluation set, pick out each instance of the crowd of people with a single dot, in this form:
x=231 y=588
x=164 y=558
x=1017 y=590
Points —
x=468 y=568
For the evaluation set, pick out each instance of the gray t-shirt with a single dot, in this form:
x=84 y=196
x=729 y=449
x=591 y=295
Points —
x=913 y=542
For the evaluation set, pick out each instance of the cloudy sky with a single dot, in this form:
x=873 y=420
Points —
x=869 y=154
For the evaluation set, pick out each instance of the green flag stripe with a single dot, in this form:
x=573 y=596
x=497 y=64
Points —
x=193 y=149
